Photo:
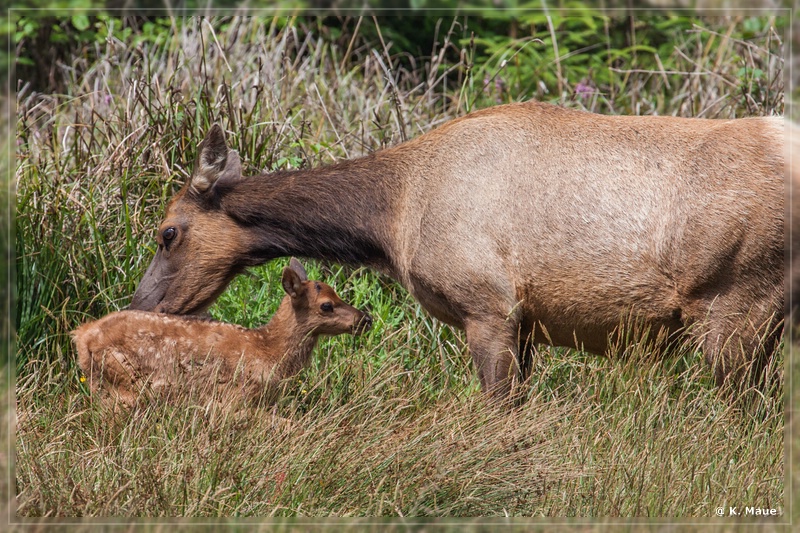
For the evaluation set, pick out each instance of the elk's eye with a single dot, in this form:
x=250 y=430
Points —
x=169 y=234
x=327 y=307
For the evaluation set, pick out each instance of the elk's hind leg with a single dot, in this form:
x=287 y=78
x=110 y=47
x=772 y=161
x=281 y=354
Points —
x=738 y=343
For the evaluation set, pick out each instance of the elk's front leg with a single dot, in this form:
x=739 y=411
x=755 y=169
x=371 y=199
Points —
x=493 y=345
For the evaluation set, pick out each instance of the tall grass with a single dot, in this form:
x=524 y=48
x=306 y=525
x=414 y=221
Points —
x=653 y=447
x=391 y=423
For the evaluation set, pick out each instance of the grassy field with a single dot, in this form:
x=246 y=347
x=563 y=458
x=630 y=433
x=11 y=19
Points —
x=391 y=423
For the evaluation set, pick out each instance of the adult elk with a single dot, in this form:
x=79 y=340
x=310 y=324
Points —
x=519 y=223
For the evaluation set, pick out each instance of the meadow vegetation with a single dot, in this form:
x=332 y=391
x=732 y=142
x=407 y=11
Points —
x=391 y=423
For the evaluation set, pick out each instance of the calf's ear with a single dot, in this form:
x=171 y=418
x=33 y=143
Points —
x=292 y=283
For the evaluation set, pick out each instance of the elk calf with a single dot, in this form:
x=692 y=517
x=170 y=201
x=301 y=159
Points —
x=130 y=352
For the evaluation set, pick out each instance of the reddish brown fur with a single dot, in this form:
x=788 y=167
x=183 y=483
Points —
x=518 y=222
x=129 y=352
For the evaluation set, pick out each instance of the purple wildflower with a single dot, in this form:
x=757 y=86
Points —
x=583 y=89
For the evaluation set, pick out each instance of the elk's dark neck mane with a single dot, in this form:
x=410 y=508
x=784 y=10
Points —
x=340 y=212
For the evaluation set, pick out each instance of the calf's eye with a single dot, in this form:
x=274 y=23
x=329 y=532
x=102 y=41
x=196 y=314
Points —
x=169 y=234
x=327 y=307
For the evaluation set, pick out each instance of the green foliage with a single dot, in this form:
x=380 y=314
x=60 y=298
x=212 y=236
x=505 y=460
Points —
x=583 y=55
x=28 y=26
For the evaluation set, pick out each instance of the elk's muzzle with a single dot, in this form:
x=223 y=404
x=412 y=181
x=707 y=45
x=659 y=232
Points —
x=362 y=325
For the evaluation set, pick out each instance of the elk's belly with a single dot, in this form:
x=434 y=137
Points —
x=592 y=319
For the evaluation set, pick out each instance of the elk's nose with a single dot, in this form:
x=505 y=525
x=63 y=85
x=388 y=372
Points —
x=364 y=324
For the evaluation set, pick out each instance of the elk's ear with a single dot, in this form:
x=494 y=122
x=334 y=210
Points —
x=214 y=161
x=292 y=283
x=297 y=266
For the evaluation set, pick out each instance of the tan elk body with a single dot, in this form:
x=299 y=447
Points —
x=520 y=223
x=127 y=353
